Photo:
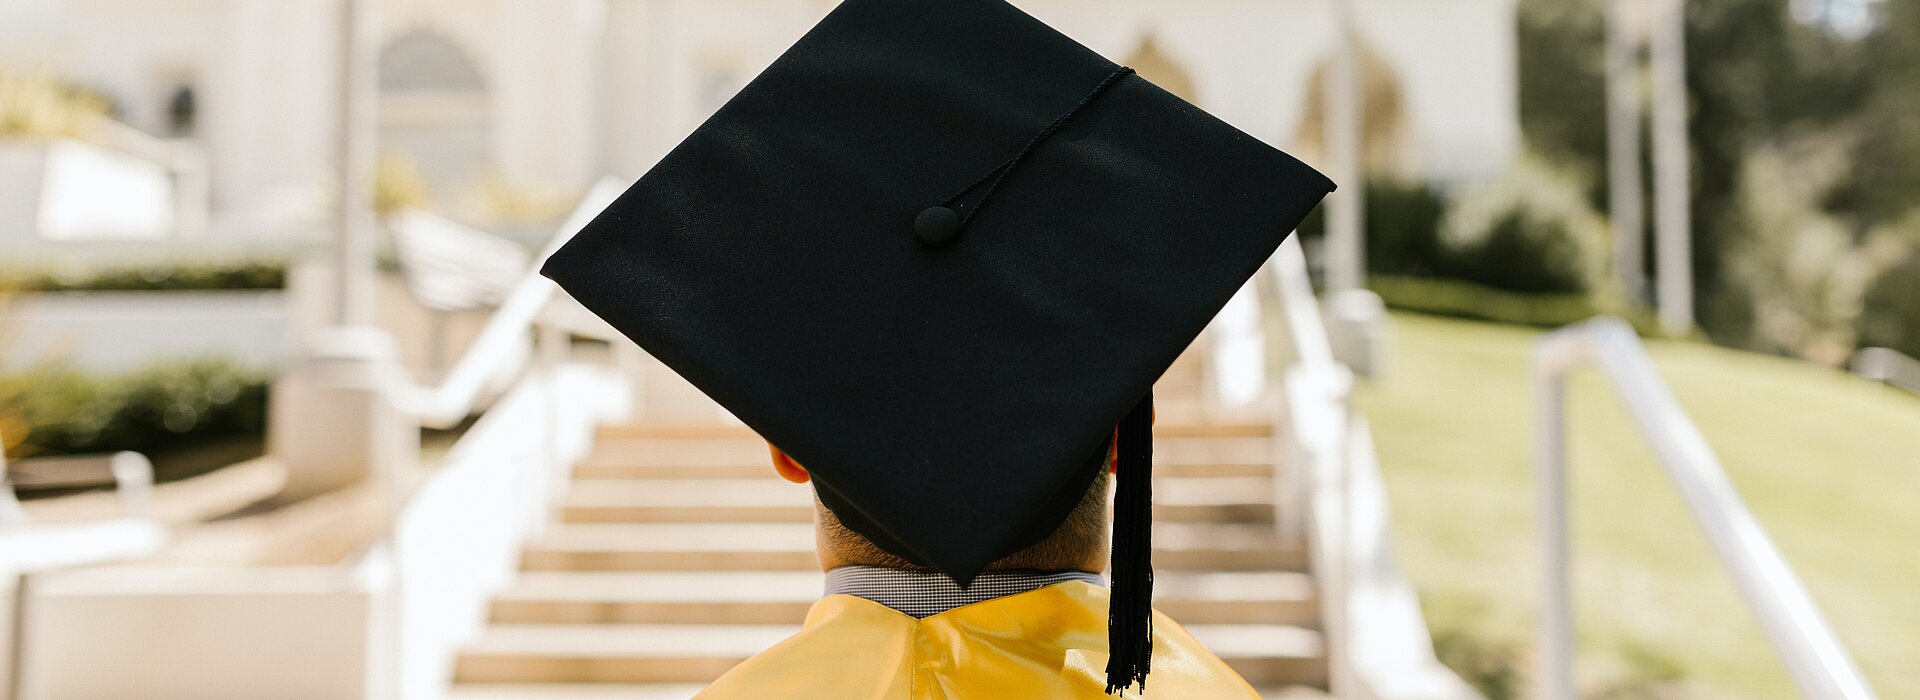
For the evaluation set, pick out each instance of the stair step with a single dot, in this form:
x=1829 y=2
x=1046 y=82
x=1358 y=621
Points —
x=676 y=431
x=1267 y=654
x=672 y=547
x=709 y=431
x=763 y=469
x=1292 y=692
x=636 y=653
x=685 y=691
x=1213 y=499
x=1224 y=547
x=769 y=597
x=790 y=546
x=765 y=499
x=578 y=691
x=1272 y=597
x=736 y=451
x=613 y=653
x=770 y=500
x=681 y=452
x=783 y=597
x=616 y=470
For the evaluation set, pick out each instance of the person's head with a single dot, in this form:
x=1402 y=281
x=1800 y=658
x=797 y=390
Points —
x=1079 y=544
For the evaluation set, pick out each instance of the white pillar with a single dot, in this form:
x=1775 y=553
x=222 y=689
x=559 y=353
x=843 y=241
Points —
x=334 y=418
x=1625 y=205
x=1346 y=264
x=353 y=284
x=1672 y=218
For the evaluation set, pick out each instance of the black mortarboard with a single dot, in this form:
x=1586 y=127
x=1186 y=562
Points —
x=937 y=252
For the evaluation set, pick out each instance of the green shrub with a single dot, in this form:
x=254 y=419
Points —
x=62 y=411
x=1793 y=276
x=1529 y=230
x=177 y=277
x=1891 y=314
x=1403 y=220
x=37 y=107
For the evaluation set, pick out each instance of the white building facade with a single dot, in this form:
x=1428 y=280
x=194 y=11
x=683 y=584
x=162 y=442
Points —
x=546 y=95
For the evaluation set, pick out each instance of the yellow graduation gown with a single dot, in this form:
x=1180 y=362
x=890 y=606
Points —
x=1050 y=642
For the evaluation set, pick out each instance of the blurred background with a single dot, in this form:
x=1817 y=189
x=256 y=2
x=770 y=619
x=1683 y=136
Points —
x=286 y=413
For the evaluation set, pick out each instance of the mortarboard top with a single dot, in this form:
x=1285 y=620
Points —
x=936 y=252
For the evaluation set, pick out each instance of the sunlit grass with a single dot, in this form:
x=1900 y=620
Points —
x=1830 y=465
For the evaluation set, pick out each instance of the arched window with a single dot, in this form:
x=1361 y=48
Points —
x=434 y=111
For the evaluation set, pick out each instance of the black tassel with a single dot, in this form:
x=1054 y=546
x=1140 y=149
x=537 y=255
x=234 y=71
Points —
x=1130 y=611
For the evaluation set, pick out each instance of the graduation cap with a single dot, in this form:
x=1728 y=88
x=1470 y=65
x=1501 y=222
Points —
x=937 y=252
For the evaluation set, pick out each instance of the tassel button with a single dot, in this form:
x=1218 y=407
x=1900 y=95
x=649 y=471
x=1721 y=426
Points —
x=936 y=226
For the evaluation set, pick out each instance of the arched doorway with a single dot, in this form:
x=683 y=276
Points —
x=1390 y=147
x=434 y=112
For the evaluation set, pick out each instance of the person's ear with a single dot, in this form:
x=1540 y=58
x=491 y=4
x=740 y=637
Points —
x=787 y=468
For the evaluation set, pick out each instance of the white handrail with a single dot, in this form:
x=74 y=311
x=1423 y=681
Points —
x=1814 y=657
x=1315 y=386
x=454 y=537
x=1309 y=503
x=27 y=548
x=1302 y=311
x=1888 y=365
x=1331 y=495
x=498 y=344
x=31 y=547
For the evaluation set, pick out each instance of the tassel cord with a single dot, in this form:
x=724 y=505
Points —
x=1000 y=172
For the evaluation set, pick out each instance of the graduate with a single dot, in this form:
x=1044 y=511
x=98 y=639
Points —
x=937 y=255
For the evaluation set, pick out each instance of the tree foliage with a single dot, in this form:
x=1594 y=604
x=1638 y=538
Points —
x=1763 y=83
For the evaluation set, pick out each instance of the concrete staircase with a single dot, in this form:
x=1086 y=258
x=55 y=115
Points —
x=678 y=554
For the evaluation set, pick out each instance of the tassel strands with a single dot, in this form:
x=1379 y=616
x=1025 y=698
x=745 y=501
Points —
x=1130 y=611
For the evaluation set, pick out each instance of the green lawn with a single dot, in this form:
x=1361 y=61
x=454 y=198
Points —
x=1828 y=463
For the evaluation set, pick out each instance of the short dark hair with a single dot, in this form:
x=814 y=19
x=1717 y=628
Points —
x=1079 y=539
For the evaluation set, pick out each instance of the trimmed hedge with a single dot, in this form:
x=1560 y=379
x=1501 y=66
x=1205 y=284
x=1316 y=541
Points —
x=60 y=411
x=1402 y=221
x=172 y=277
x=1445 y=297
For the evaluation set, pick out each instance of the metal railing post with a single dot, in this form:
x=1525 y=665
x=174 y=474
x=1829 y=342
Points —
x=1819 y=665
x=1888 y=365
x=17 y=637
x=1555 y=680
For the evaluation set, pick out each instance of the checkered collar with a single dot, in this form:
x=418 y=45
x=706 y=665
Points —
x=925 y=593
